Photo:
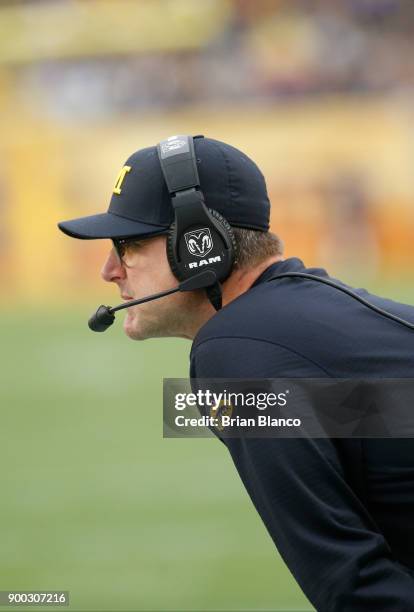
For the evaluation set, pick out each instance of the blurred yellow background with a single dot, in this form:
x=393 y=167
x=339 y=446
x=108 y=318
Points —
x=83 y=84
x=338 y=173
x=320 y=94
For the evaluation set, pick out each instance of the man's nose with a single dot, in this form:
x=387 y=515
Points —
x=112 y=269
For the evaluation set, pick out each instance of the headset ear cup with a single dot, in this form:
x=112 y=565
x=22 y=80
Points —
x=170 y=253
x=227 y=230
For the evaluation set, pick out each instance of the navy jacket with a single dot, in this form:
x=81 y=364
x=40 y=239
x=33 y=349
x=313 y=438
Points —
x=340 y=511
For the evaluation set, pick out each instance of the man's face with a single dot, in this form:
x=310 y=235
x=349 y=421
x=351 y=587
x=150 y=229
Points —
x=145 y=270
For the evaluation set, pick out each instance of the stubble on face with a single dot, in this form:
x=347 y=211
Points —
x=176 y=315
x=171 y=316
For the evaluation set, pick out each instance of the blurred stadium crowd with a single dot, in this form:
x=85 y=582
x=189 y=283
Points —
x=318 y=92
x=257 y=51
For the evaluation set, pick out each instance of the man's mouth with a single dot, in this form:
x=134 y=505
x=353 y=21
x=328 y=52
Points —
x=126 y=298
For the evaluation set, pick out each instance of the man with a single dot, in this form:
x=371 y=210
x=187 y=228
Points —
x=341 y=512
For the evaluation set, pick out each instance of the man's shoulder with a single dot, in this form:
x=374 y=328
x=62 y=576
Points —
x=260 y=333
x=269 y=311
x=312 y=321
x=248 y=316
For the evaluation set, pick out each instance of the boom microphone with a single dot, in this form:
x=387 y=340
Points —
x=104 y=316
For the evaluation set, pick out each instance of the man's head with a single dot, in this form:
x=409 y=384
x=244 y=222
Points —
x=141 y=268
x=143 y=211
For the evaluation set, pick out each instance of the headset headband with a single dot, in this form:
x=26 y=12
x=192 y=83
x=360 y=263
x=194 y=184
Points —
x=199 y=236
x=178 y=163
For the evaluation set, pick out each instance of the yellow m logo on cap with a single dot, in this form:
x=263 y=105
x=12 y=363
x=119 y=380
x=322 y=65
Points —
x=120 y=179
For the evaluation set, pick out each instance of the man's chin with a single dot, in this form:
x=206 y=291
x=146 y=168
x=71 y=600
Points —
x=132 y=327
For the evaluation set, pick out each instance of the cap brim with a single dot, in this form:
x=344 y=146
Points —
x=108 y=225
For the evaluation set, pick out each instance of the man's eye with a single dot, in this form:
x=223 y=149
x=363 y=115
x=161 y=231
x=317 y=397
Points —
x=123 y=248
x=131 y=246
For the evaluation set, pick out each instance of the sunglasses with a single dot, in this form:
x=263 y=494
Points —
x=121 y=245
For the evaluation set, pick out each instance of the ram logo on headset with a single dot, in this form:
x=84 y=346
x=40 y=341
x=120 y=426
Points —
x=199 y=242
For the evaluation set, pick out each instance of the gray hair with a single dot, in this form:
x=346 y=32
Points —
x=254 y=246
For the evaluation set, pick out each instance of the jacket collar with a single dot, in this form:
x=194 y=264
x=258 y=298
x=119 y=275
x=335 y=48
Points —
x=292 y=264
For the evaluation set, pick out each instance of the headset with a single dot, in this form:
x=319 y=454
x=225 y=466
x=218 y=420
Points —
x=199 y=238
x=200 y=242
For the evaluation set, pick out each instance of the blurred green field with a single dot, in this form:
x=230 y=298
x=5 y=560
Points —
x=96 y=502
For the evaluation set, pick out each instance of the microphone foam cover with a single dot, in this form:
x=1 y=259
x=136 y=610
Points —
x=101 y=319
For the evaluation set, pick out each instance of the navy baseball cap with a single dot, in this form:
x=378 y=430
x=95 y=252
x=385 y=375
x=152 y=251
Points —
x=141 y=205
